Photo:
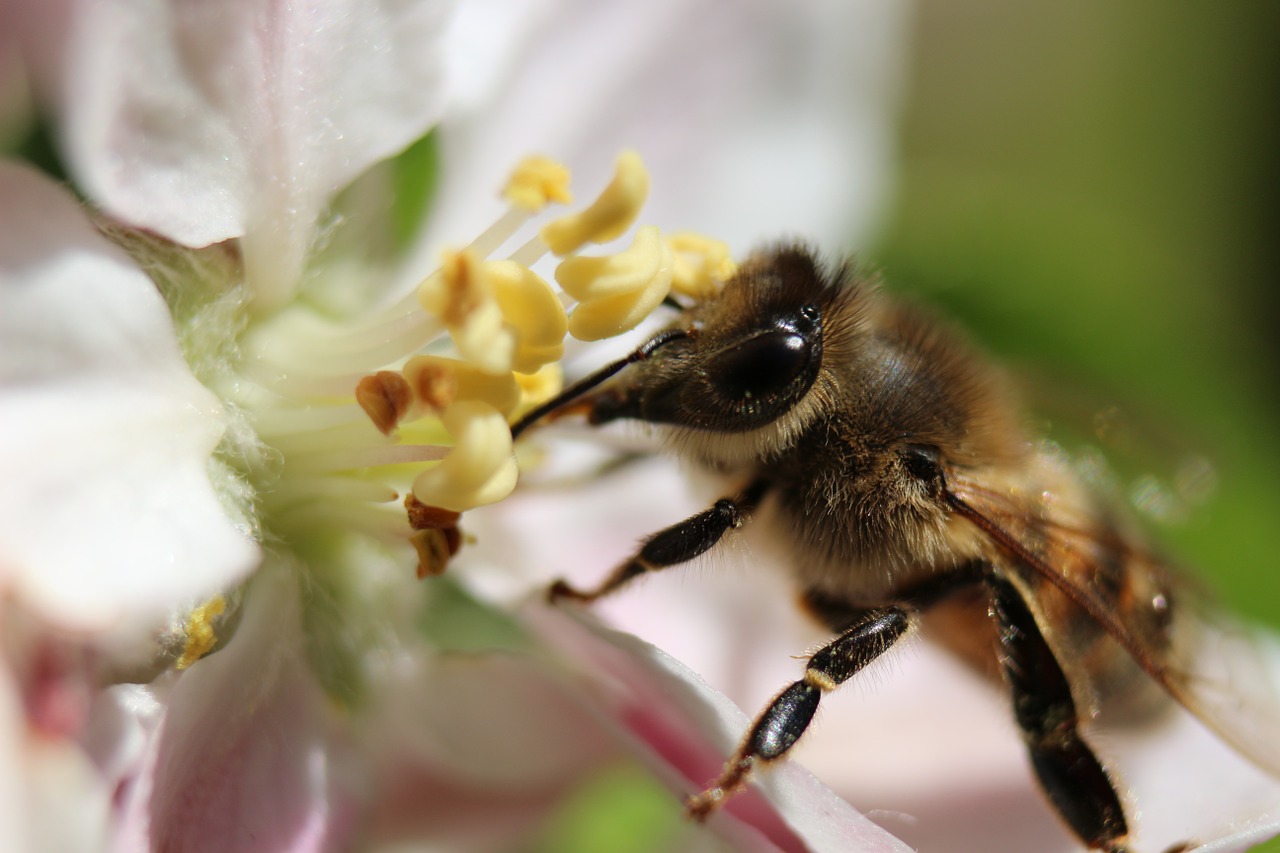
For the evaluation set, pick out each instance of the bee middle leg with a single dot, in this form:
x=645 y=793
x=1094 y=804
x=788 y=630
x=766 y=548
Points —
x=1069 y=773
x=674 y=545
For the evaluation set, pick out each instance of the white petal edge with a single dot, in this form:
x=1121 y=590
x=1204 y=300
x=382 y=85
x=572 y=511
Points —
x=758 y=123
x=107 y=518
x=207 y=121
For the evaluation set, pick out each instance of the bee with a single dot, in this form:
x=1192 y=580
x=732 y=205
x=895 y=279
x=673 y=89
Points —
x=893 y=461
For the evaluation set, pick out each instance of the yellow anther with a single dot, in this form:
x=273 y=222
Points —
x=533 y=310
x=609 y=216
x=536 y=182
x=481 y=468
x=198 y=630
x=438 y=382
x=462 y=297
x=701 y=265
x=618 y=291
x=538 y=388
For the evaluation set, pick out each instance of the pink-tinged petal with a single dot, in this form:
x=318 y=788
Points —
x=247 y=757
x=107 y=514
x=920 y=744
x=686 y=731
x=491 y=721
x=206 y=121
x=474 y=750
x=757 y=121
x=51 y=797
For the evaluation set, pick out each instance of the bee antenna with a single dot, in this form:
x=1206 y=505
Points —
x=591 y=380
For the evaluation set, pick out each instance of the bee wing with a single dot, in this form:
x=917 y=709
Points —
x=1225 y=673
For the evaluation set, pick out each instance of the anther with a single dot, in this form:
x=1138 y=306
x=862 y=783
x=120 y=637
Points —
x=459 y=294
x=700 y=265
x=609 y=216
x=438 y=382
x=533 y=310
x=385 y=397
x=536 y=182
x=481 y=468
x=618 y=291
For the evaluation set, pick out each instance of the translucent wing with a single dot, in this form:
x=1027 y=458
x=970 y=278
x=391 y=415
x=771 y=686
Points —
x=1071 y=557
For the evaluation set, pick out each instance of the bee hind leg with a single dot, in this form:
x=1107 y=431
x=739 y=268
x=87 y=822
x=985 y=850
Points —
x=788 y=716
x=671 y=546
x=1070 y=774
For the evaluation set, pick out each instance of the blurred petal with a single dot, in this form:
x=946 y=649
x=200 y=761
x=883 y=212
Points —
x=38 y=777
x=685 y=731
x=245 y=759
x=754 y=122
x=107 y=510
x=206 y=121
x=921 y=744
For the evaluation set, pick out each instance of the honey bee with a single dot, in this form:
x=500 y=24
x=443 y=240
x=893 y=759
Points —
x=893 y=461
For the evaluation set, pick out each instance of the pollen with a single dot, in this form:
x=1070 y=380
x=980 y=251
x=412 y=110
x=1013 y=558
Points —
x=537 y=182
x=609 y=216
x=200 y=637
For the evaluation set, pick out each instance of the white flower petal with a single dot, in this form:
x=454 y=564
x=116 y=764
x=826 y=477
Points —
x=753 y=121
x=246 y=758
x=687 y=731
x=107 y=514
x=205 y=121
x=921 y=744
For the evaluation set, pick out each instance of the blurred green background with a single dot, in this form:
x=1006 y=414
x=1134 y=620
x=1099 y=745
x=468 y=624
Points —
x=1091 y=189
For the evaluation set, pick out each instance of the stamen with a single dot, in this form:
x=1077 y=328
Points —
x=618 y=291
x=385 y=397
x=533 y=310
x=480 y=470
x=312 y=386
x=358 y=458
x=609 y=216
x=461 y=296
x=538 y=388
x=438 y=382
x=701 y=265
x=536 y=182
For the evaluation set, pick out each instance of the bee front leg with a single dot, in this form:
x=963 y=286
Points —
x=677 y=544
x=1069 y=773
x=785 y=720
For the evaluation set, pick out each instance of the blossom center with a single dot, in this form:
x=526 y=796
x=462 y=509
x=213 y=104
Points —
x=396 y=422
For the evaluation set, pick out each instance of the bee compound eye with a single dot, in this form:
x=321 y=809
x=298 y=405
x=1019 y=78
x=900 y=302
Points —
x=921 y=462
x=762 y=366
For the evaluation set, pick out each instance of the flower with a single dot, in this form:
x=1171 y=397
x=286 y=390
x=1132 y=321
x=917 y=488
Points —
x=347 y=701
x=207 y=326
